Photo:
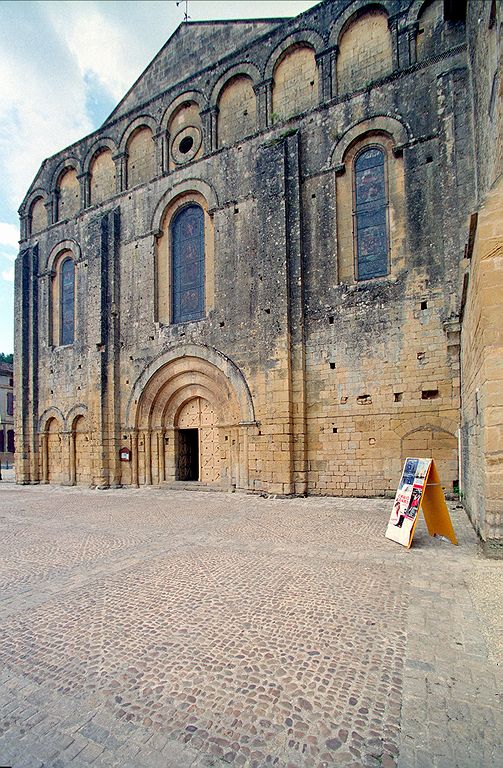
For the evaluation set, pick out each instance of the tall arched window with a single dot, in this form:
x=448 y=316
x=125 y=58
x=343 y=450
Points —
x=67 y=302
x=370 y=213
x=187 y=264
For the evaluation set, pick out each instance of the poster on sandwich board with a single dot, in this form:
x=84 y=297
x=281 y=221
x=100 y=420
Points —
x=419 y=488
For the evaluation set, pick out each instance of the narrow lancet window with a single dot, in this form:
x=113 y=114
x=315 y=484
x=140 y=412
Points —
x=371 y=214
x=67 y=302
x=187 y=242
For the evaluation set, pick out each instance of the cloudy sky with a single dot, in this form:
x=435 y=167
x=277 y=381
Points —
x=63 y=67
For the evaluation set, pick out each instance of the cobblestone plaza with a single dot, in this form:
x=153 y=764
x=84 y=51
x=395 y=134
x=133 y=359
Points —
x=149 y=628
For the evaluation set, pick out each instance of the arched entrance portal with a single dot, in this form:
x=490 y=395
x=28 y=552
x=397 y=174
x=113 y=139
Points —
x=192 y=422
x=197 y=442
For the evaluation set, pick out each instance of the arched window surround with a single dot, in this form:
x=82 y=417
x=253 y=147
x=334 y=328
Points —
x=374 y=208
x=164 y=310
x=63 y=300
x=394 y=181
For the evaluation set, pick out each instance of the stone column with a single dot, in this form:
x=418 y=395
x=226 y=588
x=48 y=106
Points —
x=73 y=459
x=147 y=437
x=263 y=91
x=162 y=457
x=160 y=152
x=334 y=52
x=393 y=28
x=209 y=117
x=65 y=440
x=44 y=447
x=134 y=458
x=324 y=64
x=85 y=189
x=52 y=207
x=120 y=160
x=412 y=31
x=165 y=152
x=24 y=225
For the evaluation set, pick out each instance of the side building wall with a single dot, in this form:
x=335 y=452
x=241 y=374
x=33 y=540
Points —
x=482 y=329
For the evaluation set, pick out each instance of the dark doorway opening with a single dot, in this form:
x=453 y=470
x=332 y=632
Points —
x=188 y=454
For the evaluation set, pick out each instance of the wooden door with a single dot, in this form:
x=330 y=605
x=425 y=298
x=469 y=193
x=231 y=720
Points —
x=198 y=414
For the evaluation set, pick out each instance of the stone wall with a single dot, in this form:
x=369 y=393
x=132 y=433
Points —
x=482 y=334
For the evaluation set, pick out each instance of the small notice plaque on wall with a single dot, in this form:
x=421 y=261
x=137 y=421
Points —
x=125 y=454
x=419 y=488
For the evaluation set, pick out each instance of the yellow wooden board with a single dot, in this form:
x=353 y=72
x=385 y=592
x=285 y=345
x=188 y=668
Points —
x=419 y=488
x=436 y=514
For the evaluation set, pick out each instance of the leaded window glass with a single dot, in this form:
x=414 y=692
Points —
x=67 y=302
x=371 y=214
x=187 y=241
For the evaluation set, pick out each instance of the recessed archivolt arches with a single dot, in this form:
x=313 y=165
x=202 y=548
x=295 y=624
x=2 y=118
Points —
x=244 y=68
x=398 y=129
x=353 y=11
x=97 y=148
x=180 y=400
x=189 y=97
x=182 y=188
x=51 y=413
x=306 y=37
x=206 y=360
x=179 y=382
x=64 y=245
x=143 y=121
x=184 y=386
x=163 y=410
x=171 y=387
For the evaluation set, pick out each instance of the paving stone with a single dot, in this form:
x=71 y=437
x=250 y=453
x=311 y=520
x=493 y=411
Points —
x=90 y=752
x=28 y=761
x=216 y=630
x=95 y=733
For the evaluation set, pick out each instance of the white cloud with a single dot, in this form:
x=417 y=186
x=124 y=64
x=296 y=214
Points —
x=99 y=46
x=8 y=274
x=42 y=110
x=9 y=235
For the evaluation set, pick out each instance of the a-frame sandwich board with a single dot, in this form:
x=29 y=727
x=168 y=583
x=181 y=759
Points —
x=419 y=488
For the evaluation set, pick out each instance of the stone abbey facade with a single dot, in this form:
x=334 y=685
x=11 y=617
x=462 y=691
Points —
x=259 y=271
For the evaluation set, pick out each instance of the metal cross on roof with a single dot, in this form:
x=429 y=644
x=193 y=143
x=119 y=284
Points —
x=186 y=16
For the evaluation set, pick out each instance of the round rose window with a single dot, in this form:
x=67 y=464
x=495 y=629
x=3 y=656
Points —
x=185 y=144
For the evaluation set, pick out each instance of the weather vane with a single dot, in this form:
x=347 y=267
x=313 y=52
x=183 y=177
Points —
x=186 y=16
